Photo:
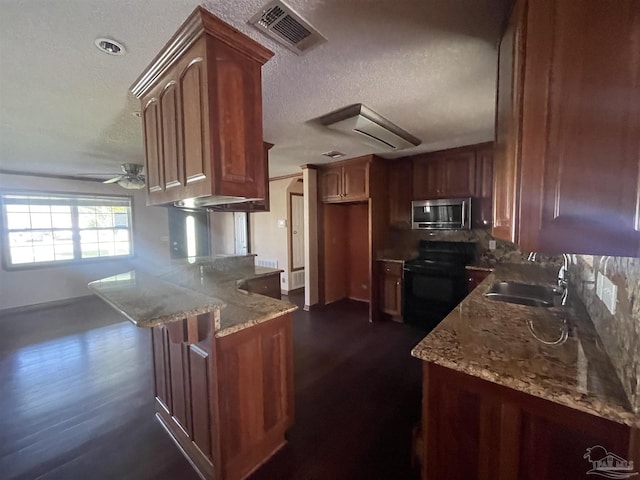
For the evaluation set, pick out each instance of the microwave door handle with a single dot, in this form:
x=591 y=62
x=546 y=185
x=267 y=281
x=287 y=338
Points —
x=464 y=211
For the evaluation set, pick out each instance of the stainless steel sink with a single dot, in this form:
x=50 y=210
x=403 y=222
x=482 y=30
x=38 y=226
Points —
x=525 y=294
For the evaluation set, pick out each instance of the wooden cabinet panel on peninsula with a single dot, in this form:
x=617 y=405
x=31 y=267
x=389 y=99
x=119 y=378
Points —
x=202 y=114
x=568 y=128
x=227 y=401
x=345 y=181
x=476 y=429
x=391 y=289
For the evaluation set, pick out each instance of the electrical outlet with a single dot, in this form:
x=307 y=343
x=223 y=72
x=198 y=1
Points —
x=492 y=244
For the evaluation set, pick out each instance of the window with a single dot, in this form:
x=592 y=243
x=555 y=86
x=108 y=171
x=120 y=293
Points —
x=53 y=228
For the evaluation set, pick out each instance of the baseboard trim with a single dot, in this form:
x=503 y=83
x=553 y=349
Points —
x=293 y=291
x=41 y=306
x=312 y=308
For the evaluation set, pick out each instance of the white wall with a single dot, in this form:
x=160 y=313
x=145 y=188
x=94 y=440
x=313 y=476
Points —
x=222 y=233
x=268 y=240
x=38 y=285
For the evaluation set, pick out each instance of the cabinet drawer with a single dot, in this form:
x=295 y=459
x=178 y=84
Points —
x=391 y=268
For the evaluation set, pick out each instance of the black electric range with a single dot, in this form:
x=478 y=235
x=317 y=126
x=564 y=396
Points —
x=436 y=281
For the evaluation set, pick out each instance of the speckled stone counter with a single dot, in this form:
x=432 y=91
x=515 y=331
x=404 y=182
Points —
x=491 y=340
x=186 y=290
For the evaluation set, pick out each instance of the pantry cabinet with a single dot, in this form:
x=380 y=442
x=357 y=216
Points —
x=568 y=128
x=201 y=101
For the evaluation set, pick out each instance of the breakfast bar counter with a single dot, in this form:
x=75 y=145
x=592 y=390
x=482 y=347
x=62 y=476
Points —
x=223 y=358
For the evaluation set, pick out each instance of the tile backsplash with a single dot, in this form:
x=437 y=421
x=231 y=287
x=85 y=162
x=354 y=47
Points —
x=620 y=333
x=404 y=244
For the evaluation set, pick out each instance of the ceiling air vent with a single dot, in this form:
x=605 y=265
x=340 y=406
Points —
x=374 y=129
x=278 y=21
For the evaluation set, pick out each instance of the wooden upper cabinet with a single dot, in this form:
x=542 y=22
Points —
x=445 y=174
x=578 y=141
x=399 y=175
x=482 y=208
x=346 y=181
x=355 y=177
x=202 y=114
x=331 y=184
x=506 y=162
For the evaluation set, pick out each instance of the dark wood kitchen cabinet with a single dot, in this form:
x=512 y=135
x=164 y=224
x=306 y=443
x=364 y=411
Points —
x=399 y=174
x=475 y=429
x=391 y=289
x=345 y=181
x=226 y=401
x=475 y=278
x=568 y=128
x=445 y=174
x=201 y=110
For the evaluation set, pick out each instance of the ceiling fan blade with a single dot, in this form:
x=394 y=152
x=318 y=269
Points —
x=114 y=179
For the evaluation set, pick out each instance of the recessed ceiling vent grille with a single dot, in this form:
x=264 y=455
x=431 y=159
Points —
x=280 y=22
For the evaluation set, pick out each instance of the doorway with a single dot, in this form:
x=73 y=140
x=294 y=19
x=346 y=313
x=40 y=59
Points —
x=241 y=228
x=188 y=234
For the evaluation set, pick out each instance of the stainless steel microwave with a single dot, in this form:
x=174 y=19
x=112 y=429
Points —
x=441 y=214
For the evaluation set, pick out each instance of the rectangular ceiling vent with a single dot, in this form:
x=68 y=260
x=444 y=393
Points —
x=278 y=21
x=373 y=128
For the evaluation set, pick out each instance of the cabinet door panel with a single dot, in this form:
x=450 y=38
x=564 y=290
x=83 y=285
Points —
x=238 y=123
x=153 y=148
x=506 y=161
x=331 y=184
x=356 y=182
x=193 y=122
x=591 y=120
x=458 y=174
x=171 y=142
x=201 y=403
x=427 y=179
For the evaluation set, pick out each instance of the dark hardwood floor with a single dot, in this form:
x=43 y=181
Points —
x=76 y=398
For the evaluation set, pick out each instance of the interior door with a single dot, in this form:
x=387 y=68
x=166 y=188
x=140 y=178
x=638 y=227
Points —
x=188 y=234
x=297 y=232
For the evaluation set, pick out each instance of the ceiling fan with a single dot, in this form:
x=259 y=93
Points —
x=131 y=177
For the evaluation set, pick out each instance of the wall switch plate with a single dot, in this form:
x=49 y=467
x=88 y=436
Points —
x=492 y=244
x=609 y=294
x=282 y=223
x=599 y=284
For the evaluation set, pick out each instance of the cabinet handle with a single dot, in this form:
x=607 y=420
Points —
x=388 y=269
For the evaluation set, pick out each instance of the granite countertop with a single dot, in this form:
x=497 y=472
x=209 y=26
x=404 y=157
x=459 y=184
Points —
x=187 y=290
x=491 y=340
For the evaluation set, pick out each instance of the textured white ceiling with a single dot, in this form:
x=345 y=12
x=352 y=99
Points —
x=427 y=65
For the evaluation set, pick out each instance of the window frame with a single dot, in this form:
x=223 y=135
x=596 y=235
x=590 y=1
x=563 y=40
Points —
x=5 y=246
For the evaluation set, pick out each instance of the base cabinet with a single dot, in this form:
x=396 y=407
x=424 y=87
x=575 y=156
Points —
x=391 y=289
x=474 y=429
x=226 y=401
x=475 y=278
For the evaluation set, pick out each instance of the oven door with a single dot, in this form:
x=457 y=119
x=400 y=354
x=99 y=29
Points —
x=429 y=294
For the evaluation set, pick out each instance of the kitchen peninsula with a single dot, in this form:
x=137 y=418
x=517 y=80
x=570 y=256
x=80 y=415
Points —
x=223 y=361
x=504 y=398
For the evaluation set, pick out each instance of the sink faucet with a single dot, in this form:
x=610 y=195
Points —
x=563 y=277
